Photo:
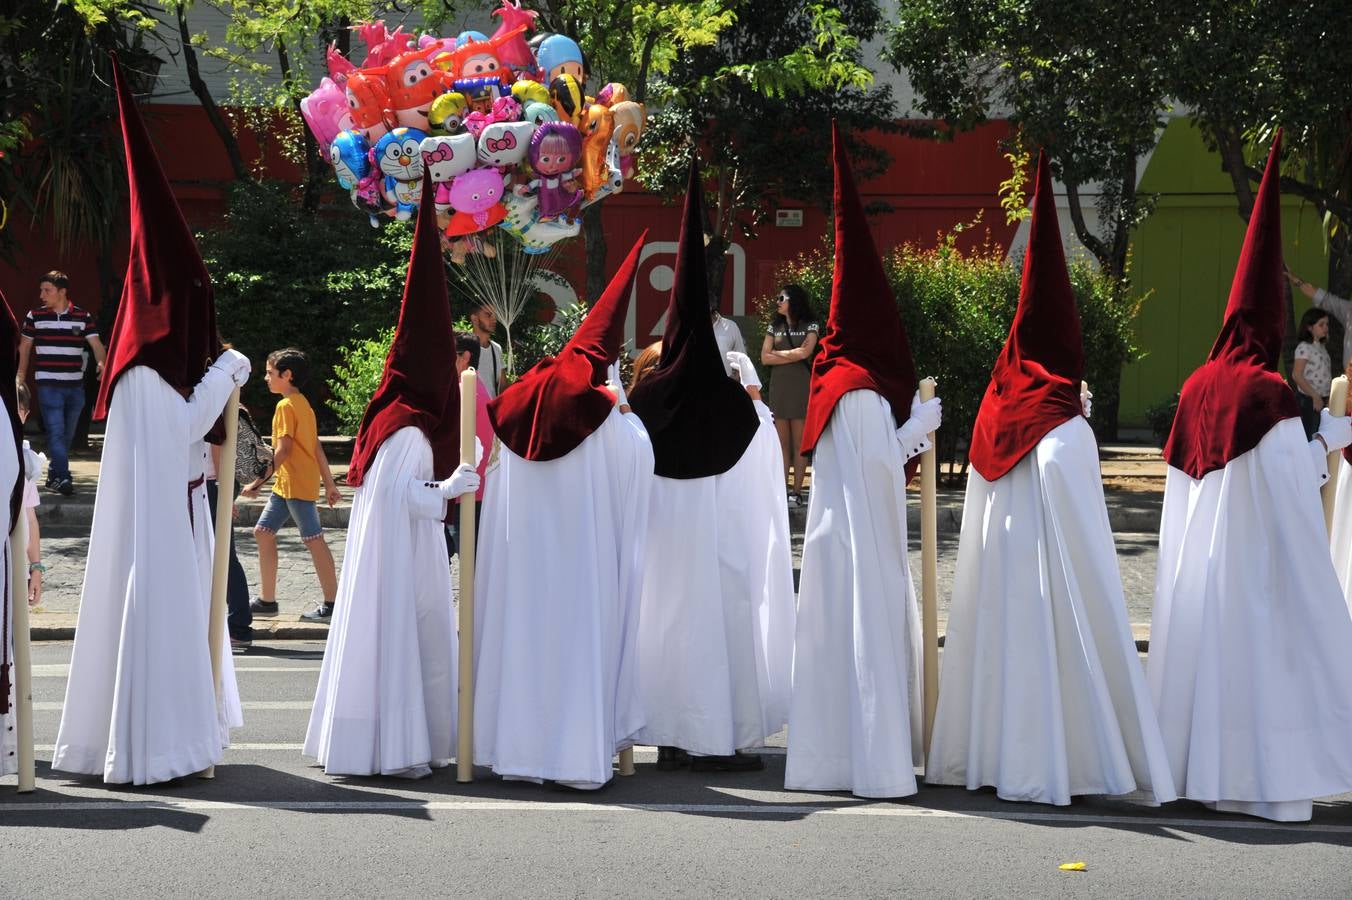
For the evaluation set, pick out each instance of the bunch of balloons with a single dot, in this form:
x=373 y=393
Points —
x=502 y=125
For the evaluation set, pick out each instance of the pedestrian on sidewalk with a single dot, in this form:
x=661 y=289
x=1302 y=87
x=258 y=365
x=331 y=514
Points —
x=854 y=716
x=300 y=467
x=1312 y=371
x=55 y=336
x=141 y=701
x=788 y=349
x=492 y=371
x=1043 y=693
x=33 y=465
x=386 y=699
x=716 y=608
x=1249 y=667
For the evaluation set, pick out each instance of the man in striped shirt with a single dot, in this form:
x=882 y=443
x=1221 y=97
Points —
x=59 y=332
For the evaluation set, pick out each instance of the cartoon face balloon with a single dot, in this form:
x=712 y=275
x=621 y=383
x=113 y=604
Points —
x=448 y=112
x=445 y=157
x=326 y=112
x=413 y=83
x=539 y=113
x=368 y=101
x=477 y=199
x=568 y=99
x=350 y=155
x=560 y=55
x=527 y=91
x=629 y=120
x=399 y=154
x=504 y=144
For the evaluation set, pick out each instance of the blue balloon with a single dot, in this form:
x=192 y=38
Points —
x=465 y=37
x=556 y=50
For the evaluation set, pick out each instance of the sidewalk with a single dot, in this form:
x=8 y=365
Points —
x=1133 y=480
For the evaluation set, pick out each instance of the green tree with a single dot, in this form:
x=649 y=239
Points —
x=1246 y=67
x=756 y=107
x=1083 y=79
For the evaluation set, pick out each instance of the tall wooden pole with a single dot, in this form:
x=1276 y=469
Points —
x=464 y=756
x=929 y=574
x=220 y=560
x=22 y=656
x=1337 y=407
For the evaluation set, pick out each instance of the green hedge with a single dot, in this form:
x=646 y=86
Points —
x=957 y=307
x=283 y=278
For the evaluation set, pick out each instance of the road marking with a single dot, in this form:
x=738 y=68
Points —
x=731 y=809
x=55 y=705
x=61 y=671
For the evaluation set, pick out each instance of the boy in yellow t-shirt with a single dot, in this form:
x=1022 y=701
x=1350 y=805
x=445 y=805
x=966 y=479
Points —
x=300 y=466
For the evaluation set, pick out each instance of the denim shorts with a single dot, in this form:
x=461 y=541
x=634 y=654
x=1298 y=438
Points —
x=280 y=510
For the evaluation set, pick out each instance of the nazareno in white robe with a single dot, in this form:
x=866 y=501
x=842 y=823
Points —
x=556 y=599
x=1043 y=696
x=855 y=714
x=9 y=471
x=1340 y=539
x=140 y=705
x=386 y=701
x=1249 y=663
x=716 y=622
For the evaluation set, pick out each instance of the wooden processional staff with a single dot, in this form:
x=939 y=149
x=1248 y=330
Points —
x=929 y=575
x=22 y=656
x=220 y=560
x=1337 y=407
x=464 y=755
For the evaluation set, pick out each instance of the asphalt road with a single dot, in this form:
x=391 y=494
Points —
x=272 y=825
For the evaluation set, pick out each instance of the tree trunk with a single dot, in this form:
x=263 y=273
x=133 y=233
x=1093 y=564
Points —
x=203 y=94
x=594 y=234
x=315 y=168
x=716 y=263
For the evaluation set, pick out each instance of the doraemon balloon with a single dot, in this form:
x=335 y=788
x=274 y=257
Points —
x=399 y=158
x=350 y=155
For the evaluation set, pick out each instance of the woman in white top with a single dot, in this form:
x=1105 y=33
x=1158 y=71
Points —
x=1312 y=371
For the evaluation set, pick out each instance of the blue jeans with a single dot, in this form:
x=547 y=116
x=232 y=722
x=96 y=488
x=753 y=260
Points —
x=61 y=404
x=239 y=619
x=279 y=510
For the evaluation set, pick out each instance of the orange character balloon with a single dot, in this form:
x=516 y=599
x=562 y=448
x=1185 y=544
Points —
x=629 y=119
x=369 y=101
x=413 y=82
x=596 y=131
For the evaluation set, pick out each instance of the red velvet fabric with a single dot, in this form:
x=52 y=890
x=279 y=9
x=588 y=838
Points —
x=1035 y=385
x=700 y=420
x=865 y=345
x=167 y=316
x=1237 y=395
x=419 y=387
x=555 y=406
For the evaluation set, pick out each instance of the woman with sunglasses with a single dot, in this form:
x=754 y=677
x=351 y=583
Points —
x=789 y=345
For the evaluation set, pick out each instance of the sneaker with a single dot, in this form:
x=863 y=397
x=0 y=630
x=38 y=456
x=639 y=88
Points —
x=321 y=613
x=237 y=646
x=264 y=608
x=50 y=484
x=65 y=487
x=794 y=500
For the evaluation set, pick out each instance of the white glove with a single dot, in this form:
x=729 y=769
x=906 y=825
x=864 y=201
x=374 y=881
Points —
x=32 y=462
x=616 y=385
x=1087 y=401
x=914 y=432
x=234 y=364
x=1335 y=430
x=464 y=480
x=745 y=371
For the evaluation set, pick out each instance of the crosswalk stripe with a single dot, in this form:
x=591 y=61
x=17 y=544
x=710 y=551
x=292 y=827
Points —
x=62 y=671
